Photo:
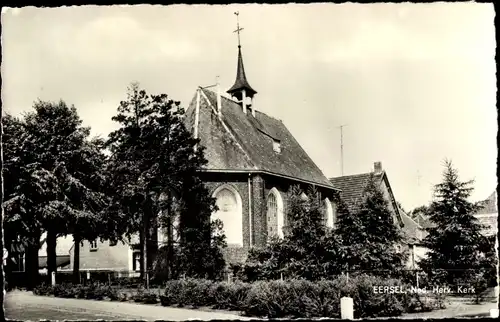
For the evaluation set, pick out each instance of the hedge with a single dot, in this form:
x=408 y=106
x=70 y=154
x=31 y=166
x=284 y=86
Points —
x=272 y=299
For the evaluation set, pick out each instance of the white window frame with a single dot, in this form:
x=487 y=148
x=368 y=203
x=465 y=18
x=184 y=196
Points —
x=280 y=211
x=239 y=208
x=93 y=245
x=20 y=257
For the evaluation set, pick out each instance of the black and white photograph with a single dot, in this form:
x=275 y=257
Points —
x=249 y=161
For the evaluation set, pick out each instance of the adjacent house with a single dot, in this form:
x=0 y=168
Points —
x=488 y=215
x=353 y=186
x=415 y=234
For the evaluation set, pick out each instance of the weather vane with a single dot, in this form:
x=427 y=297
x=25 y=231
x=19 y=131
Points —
x=238 y=29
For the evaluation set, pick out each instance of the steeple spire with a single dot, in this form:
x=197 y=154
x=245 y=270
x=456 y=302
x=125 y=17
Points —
x=241 y=89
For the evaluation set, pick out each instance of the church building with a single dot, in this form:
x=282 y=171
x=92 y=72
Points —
x=253 y=161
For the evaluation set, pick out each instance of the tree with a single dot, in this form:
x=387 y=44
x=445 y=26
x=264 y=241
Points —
x=350 y=230
x=201 y=239
x=87 y=198
x=308 y=248
x=27 y=189
x=55 y=179
x=371 y=239
x=154 y=155
x=455 y=242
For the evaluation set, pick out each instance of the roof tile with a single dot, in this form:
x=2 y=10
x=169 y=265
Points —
x=255 y=136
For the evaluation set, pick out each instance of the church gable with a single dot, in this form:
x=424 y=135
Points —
x=267 y=142
x=221 y=148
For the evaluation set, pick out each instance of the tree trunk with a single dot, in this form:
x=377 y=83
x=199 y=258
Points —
x=170 y=237
x=76 y=259
x=144 y=244
x=51 y=253
x=31 y=257
x=153 y=241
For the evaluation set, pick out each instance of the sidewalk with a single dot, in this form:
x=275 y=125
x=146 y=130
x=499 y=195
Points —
x=456 y=308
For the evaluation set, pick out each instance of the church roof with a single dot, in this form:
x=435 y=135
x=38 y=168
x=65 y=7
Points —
x=235 y=141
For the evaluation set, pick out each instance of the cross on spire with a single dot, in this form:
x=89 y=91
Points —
x=238 y=29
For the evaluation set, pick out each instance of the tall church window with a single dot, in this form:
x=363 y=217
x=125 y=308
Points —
x=229 y=205
x=275 y=216
x=329 y=213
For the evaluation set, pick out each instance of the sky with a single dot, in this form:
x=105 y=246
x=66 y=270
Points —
x=414 y=83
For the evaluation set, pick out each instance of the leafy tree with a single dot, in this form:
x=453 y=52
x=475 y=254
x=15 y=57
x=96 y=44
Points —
x=456 y=244
x=55 y=180
x=308 y=249
x=371 y=239
x=27 y=189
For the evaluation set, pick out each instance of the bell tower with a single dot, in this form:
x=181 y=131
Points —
x=241 y=90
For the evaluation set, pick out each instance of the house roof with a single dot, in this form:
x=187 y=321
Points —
x=235 y=141
x=490 y=205
x=353 y=186
x=423 y=221
x=487 y=216
x=411 y=228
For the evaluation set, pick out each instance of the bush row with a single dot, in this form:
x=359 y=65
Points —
x=272 y=299
x=93 y=291
x=297 y=298
x=97 y=291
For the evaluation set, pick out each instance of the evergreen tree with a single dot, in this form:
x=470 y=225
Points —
x=308 y=248
x=154 y=157
x=455 y=242
x=371 y=239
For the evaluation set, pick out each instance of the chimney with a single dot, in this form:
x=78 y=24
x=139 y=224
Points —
x=253 y=108
x=377 y=167
x=219 y=104
x=244 y=101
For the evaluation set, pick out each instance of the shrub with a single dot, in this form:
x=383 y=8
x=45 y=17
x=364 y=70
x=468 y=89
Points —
x=368 y=303
x=271 y=299
x=229 y=296
x=326 y=302
x=43 y=289
x=171 y=294
x=194 y=292
x=145 y=296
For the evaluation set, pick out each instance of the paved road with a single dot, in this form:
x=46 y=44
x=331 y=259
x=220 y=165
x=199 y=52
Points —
x=21 y=305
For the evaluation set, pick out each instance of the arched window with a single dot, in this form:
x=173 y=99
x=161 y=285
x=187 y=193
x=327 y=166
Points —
x=275 y=216
x=229 y=205
x=329 y=220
